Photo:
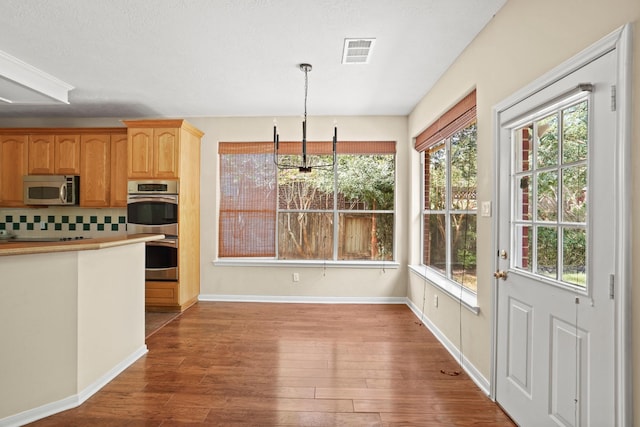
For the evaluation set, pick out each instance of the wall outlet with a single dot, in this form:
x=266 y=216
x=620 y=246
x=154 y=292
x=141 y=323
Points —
x=435 y=300
x=295 y=277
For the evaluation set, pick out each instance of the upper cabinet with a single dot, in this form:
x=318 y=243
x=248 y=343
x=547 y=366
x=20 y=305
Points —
x=153 y=153
x=14 y=161
x=98 y=155
x=54 y=154
x=119 y=170
x=95 y=171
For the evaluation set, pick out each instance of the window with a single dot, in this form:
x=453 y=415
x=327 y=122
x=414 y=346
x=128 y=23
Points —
x=549 y=224
x=345 y=213
x=450 y=204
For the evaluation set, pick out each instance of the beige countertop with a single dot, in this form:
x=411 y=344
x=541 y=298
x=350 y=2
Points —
x=7 y=247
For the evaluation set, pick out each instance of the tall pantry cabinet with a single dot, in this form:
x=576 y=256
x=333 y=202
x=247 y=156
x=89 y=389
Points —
x=167 y=150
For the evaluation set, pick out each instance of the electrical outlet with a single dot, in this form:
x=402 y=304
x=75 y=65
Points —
x=435 y=300
x=296 y=277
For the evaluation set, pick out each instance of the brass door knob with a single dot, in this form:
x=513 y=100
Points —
x=500 y=275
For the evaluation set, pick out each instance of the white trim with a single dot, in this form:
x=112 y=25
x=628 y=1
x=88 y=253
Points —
x=37 y=80
x=468 y=367
x=270 y=262
x=74 y=400
x=624 y=362
x=619 y=40
x=448 y=287
x=302 y=299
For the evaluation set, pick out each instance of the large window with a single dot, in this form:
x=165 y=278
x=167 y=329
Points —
x=345 y=213
x=450 y=204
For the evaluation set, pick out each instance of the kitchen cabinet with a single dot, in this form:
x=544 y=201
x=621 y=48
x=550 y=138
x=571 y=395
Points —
x=54 y=154
x=170 y=149
x=14 y=162
x=95 y=170
x=153 y=153
x=119 y=154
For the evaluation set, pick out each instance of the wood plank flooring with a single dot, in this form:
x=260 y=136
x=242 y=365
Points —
x=252 y=364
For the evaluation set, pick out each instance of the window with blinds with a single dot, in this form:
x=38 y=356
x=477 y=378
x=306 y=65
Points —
x=450 y=203
x=345 y=213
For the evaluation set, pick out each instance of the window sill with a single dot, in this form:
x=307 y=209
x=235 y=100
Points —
x=468 y=299
x=269 y=262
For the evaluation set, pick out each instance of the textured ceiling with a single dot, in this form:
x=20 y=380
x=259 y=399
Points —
x=190 y=58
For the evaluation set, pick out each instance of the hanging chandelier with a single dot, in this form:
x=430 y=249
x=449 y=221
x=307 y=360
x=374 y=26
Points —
x=283 y=161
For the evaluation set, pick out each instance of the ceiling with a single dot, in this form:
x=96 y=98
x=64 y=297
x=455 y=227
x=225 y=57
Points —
x=195 y=58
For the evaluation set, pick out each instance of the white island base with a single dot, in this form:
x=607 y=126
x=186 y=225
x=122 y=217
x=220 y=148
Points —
x=70 y=322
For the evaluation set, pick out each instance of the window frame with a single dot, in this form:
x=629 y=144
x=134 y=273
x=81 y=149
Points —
x=334 y=260
x=458 y=117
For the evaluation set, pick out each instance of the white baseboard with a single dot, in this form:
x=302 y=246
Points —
x=75 y=400
x=468 y=367
x=303 y=299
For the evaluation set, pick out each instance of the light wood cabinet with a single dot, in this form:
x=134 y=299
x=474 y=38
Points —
x=119 y=170
x=14 y=163
x=54 y=154
x=170 y=149
x=66 y=158
x=153 y=153
x=95 y=170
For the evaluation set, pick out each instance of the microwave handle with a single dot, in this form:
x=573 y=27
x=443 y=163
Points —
x=63 y=193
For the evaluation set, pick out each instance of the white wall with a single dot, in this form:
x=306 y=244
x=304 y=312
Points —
x=525 y=40
x=273 y=281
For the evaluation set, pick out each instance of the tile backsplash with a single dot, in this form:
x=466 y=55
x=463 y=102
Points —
x=64 y=222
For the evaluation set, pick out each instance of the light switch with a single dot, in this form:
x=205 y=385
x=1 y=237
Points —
x=485 y=209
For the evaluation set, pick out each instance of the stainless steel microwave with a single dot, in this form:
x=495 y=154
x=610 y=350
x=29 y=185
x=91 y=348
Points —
x=51 y=190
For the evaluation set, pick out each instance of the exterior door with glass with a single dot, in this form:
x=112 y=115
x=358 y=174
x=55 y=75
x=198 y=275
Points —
x=555 y=353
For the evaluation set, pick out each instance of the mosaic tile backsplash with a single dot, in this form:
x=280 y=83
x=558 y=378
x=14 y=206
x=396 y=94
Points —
x=64 y=222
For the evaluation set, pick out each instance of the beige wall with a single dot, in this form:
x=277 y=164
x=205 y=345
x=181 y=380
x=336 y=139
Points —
x=525 y=40
x=272 y=281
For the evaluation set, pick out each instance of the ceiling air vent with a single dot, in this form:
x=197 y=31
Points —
x=357 y=51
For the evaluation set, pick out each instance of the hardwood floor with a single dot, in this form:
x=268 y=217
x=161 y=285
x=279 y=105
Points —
x=252 y=364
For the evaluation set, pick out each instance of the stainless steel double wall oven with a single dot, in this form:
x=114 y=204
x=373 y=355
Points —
x=152 y=207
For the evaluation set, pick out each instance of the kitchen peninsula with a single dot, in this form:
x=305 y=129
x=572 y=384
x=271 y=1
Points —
x=71 y=319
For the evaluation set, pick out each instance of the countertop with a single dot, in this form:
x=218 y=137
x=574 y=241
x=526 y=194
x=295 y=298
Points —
x=7 y=247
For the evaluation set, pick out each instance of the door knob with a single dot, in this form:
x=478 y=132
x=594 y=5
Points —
x=500 y=275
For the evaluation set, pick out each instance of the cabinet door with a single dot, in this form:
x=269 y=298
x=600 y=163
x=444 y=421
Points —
x=41 y=154
x=166 y=151
x=14 y=163
x=119 y=170
x=140 y=153
x=95 y=170
x=67 y=155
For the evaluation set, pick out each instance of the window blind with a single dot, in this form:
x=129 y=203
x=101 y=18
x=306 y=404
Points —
x=456 y=118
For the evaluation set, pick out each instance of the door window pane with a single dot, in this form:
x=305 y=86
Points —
x=547 y=141
x=524 y=196
x=547 y=251
x=524 y=149
x=574 y=256
x=575 y=133
x=547 y=202
x=574 y=194
x=524 y=247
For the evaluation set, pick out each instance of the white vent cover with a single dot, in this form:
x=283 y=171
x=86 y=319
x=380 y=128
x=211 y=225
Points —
x=357 y=51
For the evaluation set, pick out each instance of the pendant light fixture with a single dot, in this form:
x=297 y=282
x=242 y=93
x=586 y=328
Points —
x=306 y=166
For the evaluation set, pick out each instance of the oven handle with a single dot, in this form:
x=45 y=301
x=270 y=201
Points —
x=167 y=199
x=169 y=243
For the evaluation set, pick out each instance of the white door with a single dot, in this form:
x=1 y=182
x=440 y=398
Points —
x=555 y=353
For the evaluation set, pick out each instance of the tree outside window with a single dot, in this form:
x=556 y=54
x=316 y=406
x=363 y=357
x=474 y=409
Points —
x=450 y=207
